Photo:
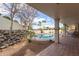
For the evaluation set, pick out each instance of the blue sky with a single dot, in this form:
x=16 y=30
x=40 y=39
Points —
x=48 y=19
x=41 y=16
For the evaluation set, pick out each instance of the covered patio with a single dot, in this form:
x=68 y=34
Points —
x=68 y=14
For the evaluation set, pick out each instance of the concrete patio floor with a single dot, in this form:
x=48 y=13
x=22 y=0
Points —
x=68 y=47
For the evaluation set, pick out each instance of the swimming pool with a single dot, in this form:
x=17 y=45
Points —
x=44 y=37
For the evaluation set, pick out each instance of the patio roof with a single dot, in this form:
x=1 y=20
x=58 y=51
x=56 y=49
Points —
x=68 y=12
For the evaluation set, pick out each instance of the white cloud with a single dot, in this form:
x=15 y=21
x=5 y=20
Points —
x=38 y=19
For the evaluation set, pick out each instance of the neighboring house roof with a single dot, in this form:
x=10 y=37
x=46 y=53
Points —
x=5 y=24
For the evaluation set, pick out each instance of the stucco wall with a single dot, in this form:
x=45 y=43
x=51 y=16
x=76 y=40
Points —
x=5 y=24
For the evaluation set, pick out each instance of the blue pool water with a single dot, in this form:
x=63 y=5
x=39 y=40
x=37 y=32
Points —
x=44 y=37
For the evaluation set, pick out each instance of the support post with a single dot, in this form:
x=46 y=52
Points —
x=57 y=30
x=76 y=27
x=65 y=30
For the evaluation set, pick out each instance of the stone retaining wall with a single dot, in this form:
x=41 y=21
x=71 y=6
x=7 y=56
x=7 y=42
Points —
x=8 y=40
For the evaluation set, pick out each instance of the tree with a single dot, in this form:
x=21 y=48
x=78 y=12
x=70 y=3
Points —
x=24 y=12
x=27 y=15
x=41 y=24
x=12 y=9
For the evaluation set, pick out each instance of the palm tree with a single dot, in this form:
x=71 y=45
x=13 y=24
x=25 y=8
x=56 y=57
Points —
x=40 y=23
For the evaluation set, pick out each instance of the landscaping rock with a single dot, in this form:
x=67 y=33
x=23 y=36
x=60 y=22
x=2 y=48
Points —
x=7 y=40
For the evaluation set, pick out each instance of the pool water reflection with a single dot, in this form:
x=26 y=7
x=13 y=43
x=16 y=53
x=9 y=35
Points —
x=44 y=37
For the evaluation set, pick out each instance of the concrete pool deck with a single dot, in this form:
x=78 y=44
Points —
x=68 y=47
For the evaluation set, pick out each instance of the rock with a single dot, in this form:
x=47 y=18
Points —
x=1 y=40
x=7 y=40
x=1 y=36
x=3 y=47
x=11 y=43
x=5 y=33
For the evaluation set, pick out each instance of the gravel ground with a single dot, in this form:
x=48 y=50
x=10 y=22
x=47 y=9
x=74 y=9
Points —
x=23 y=49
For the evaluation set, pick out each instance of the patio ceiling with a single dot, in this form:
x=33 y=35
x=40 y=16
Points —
x=68 y=12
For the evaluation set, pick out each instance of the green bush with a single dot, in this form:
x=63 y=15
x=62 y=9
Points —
x=29 y=35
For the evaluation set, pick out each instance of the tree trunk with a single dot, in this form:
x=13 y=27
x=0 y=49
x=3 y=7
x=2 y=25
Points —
x=11 y=27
